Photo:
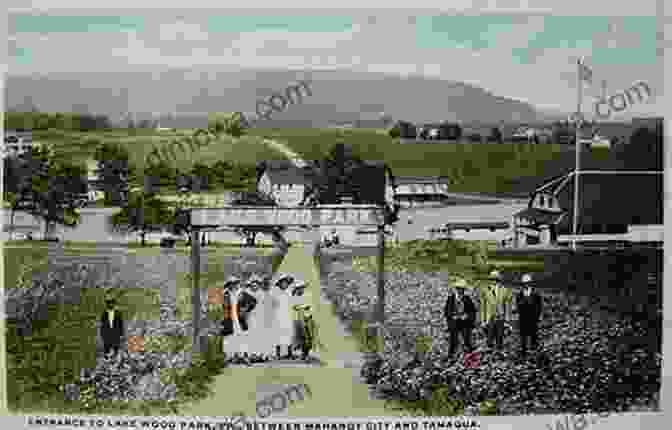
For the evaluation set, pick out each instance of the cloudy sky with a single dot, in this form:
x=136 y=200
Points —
x=527 y=57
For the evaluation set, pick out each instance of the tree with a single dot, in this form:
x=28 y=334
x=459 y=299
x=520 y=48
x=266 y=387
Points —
x=256 y=198
x=202 y=177
x=331 y=177
x=144 y=213
x=113 y=172
x=159 y=175
x=50 y=190
x=496 y=135
x=227 y=123
x=343 y=174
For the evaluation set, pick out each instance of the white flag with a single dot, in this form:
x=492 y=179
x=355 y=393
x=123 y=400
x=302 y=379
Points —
x=585 y=73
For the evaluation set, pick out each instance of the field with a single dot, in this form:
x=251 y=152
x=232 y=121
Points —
x=501 y=169
x=80 y=146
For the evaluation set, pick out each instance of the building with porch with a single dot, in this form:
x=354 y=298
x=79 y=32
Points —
x=412 y=189
x=612 y=204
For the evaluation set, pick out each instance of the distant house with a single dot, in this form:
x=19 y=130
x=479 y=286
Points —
x=611 y=202
x=411 y=189
x=18 y=142
x=445 y=131
x=284 y=181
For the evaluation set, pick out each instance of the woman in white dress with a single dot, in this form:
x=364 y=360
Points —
x=283 y=331
x=259 y=321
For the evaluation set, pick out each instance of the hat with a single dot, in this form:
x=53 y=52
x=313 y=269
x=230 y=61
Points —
x=304 y=308
x=526 y=278
x=284 y=277
x=255 y=279
x=232 y=281
x=460 y=283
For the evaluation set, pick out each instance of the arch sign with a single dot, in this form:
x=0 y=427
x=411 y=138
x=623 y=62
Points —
x=289 y=216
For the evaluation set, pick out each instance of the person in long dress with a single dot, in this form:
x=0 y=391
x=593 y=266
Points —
x=259 y=321
x=267 y=309
x=283 y=325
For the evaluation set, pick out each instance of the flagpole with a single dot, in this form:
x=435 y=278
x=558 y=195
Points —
x=577 y=153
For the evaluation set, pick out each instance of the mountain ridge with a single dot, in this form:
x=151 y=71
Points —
x=337 y=96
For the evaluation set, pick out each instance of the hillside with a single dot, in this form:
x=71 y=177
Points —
x=511 y=170
x=337 y=96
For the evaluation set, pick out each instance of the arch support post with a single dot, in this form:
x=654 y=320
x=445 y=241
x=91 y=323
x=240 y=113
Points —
x=376 y=329
x=199 y=341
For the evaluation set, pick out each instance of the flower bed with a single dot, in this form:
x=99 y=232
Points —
x=579 y=368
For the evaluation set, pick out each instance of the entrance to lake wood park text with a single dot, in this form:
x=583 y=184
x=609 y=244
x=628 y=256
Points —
x=305 y=255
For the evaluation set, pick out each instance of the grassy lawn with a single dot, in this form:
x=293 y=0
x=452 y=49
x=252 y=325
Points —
x=476 y=168
x=473 y=167
x=81 y=146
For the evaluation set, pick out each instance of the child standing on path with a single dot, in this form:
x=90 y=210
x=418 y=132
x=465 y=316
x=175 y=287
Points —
x=283 y=324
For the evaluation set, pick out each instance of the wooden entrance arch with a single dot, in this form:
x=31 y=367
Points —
x=306 y=218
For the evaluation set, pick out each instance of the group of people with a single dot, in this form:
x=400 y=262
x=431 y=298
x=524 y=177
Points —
x=267 y=319
x=329 y=241
x=496 y=309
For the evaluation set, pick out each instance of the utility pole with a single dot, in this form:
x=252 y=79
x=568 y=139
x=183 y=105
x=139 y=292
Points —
x=578 y=143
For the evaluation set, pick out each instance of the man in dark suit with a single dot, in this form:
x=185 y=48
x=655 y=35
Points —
x=247 y=302
x=228 y=326
x=529 y=306
x=111 y=327
x=460 y=314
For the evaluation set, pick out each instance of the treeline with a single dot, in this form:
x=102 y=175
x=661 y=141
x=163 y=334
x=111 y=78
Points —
x=201 y=177
x=55 y=121
x=45 y=187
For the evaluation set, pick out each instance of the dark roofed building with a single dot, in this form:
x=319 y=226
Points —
x=610 y=202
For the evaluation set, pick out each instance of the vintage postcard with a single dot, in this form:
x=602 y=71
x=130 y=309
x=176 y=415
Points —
x=270 y=215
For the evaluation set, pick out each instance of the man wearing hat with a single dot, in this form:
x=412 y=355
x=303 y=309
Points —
x=247 y=300
x=284 y=326
x=460 y=314
x=111 y=327
x=495 y=309
x=230 y=323
x=529 y=306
